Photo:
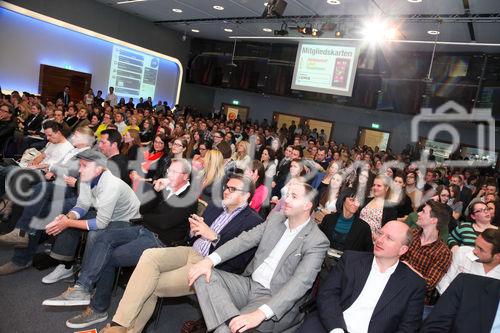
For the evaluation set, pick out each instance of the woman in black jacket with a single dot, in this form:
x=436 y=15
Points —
x=344 y=229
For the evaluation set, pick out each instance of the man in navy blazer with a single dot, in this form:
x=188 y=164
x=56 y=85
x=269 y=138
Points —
x=163 y=272
x=469 y=304
x=373 y=293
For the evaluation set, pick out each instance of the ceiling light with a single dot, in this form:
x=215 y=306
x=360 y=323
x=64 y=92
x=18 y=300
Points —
x=177 y=10
x=414 y=1
x=265 y=3
x=129 y=1
x=218 y=7
x=228 y=30
x=333 y=2
x=267 y=30
x=433 y=32
x=195 y=30
x=375 y=31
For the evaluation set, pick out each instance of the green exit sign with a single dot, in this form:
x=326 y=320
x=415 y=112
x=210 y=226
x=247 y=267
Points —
x=375 y=125
x=67 y=66
x=236 y=102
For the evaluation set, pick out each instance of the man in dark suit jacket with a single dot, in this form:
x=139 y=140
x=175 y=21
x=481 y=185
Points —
x=465 y=192
x=64 y=96
x=282 y=171
x=470 y=304
x=372 y=293
x=33 y=124
x=163 y=272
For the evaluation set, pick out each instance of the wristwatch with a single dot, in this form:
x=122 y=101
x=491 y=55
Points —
x=216 y=240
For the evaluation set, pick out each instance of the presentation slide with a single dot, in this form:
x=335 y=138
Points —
x=133 y=73
x=328 y=69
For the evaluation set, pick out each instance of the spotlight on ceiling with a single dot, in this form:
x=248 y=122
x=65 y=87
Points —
x=274 y=8
x=309 y=30
x=339 y=34
x=283 y=30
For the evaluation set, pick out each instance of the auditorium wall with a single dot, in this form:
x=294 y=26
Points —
x=347 y=119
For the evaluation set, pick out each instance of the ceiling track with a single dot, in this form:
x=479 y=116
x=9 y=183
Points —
x=417 y=18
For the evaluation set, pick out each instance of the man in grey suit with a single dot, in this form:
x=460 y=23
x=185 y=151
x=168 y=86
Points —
x=268 y=294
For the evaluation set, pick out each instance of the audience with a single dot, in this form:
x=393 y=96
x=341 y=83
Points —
x=145 y=147
x=164 y=272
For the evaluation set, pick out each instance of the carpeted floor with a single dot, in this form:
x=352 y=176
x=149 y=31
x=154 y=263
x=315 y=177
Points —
x=21 y=309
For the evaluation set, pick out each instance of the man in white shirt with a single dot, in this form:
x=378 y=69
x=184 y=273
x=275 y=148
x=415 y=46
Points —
x=368 y=292
x=483 y=259
x=111 y=97
x=268 y=294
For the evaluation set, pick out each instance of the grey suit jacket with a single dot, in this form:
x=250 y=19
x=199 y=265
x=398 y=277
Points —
x=296 y=271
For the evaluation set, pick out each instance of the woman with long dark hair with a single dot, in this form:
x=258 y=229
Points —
x=257 y=173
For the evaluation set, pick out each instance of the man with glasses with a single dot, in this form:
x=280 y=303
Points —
x=164 y=272
x=364 y=291
x=218 y=137
x=163 y=224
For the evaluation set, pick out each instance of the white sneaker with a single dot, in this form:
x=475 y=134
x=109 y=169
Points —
x=59 y=273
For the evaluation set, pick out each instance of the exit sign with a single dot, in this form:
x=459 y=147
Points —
x=236 y=102
x=375 y=125
x=67 y=66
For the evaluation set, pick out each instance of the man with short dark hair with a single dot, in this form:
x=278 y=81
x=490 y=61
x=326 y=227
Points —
x=70 y=118
x=268 y=295
x=428 y=255
x=164 y=272
x=64 y=96
x=120 y=122
x=320 y=158
x=364 y=291
x=482 y=259
x=465 y=192
x=109 y=144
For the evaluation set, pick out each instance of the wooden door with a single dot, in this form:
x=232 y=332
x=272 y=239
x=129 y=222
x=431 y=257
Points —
x=53 y=79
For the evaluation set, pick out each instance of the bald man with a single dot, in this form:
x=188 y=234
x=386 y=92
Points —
x=365 y=292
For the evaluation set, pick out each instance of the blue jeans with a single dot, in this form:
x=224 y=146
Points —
x=111 y=249
x=43 y=208
x=64 y=247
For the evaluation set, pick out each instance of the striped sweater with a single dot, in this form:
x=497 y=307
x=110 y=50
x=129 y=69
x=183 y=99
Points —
x=463 y=235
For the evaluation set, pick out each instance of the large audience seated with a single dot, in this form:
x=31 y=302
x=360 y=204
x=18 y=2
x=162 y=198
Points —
x=273 y=228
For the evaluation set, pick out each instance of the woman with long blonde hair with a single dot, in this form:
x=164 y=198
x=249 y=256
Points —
x=240 y=156
x=212 y=175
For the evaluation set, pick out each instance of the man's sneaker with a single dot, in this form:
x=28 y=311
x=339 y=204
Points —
x=10 y=268
x=61 y=272
x=76 y=295
x=86 y=318
x=113 y=329
x=13 y=238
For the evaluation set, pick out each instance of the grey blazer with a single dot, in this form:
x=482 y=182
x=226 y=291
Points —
x=296 y=271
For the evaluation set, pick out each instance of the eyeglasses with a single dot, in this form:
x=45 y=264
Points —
x=484 y=210
x=232 y=189
x=177 y=144
x=159 y=142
